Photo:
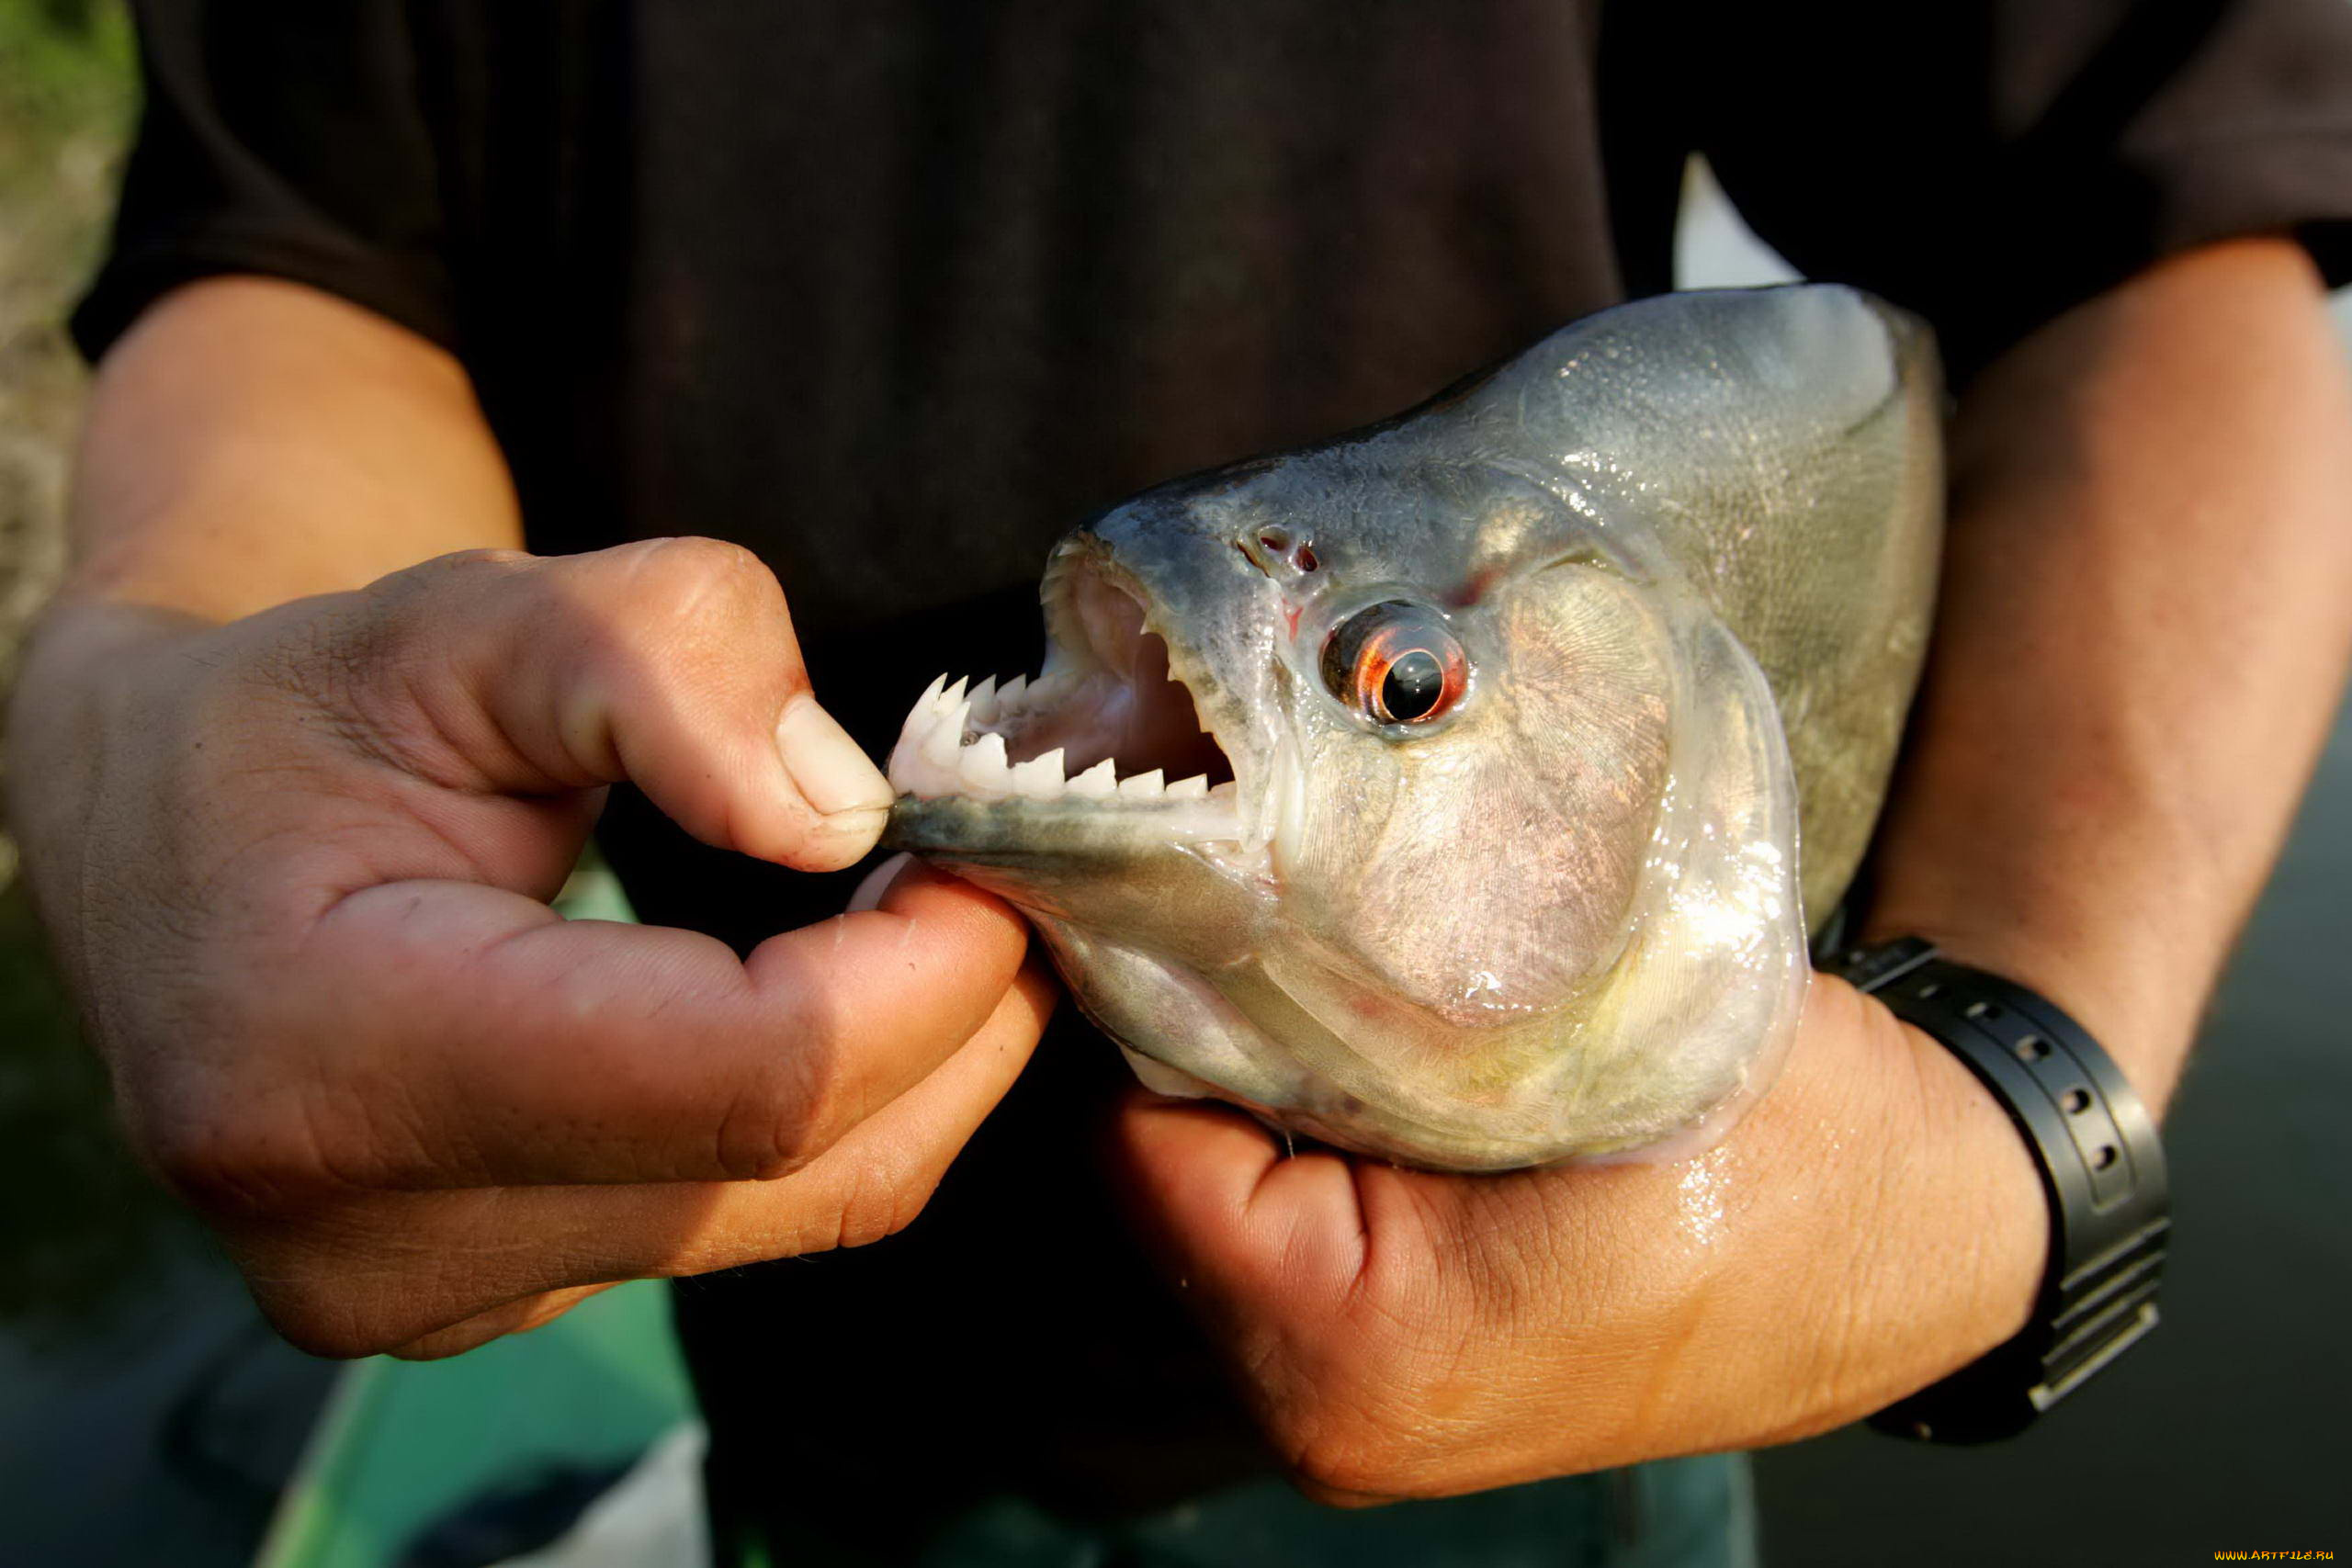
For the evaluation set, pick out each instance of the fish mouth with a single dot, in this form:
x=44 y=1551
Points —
x=1110 y=735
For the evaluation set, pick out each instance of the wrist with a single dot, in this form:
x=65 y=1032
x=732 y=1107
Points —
x=82 y=647
x=81 y=661
x=2137 y=988
x=2094 y=1148
x=1928 y=1227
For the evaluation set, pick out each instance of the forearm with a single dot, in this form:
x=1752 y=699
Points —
x=252 y=442
x=2145 y=625
x=249 y=441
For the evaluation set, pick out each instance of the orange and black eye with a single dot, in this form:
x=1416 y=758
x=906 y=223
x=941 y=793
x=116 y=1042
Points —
x=1396 y=663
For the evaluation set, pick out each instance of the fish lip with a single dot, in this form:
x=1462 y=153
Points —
x=1228 y=822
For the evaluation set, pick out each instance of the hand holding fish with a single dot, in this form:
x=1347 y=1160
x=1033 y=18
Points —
x=2079 y=809
x=1871 y=1225
x=296 y=860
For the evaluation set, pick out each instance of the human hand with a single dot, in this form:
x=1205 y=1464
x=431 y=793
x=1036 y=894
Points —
x=1872 y=1223
x=296 y=867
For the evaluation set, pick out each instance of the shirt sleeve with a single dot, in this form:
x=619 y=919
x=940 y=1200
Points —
x=281 y=137
x=1992 y=163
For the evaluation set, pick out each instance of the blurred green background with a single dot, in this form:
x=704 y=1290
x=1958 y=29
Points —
x=116 y=1319
x=147 y=1416
x=77 y=1219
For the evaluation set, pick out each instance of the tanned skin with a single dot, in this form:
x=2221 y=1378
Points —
x=290 y=801
x=288 y=796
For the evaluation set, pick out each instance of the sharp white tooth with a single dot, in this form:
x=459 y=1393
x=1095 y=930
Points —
x=933 y=780
x=982 y=769
x=1039 y=778
x=1194 y=788
x=1099 y=781
x=910 y=774
x=1015 y=692
x=1225 y=792
x=929 y=700
x=954 y=694
x=1143 y=786
x=984 y=701
x=910 y=733
x=940 y=745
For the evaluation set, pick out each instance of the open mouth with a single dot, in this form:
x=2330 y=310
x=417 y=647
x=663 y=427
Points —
x=1110 y=726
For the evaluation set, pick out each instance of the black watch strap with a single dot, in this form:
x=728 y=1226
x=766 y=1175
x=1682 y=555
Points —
x=2102 y=1166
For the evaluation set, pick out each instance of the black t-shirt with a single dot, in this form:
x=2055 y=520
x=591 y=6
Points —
x=894 y=292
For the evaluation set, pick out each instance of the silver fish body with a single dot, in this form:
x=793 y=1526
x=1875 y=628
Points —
x=1437 y=791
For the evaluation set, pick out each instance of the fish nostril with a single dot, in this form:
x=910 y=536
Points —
x=1277 y=544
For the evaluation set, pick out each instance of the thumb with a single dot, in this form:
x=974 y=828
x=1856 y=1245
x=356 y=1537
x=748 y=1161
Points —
x=671 y=664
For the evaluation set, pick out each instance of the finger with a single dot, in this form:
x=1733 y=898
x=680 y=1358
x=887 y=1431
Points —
x=474 y=1038
x=435 y=1273
x=670 y=663
x=1238 y=1215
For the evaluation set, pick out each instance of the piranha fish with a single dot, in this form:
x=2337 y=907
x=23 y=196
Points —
x=1438 y=791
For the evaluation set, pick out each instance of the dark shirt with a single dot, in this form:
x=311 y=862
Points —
x=894 y=292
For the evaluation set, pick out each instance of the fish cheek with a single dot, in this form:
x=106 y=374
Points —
x=1489 y=869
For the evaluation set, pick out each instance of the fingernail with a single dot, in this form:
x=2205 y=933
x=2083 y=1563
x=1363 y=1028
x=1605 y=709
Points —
x=877 y=883
x=832 y=772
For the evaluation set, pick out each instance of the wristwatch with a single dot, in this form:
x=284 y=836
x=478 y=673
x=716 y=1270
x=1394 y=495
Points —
x=2102 y=1168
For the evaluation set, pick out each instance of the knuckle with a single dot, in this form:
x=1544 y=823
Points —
x=644 y=614
x=695 y=580
x=797 y=1114
x=782 y=1122
x=877 y=1202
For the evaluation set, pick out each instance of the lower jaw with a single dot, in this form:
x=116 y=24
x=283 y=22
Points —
x=952 y=827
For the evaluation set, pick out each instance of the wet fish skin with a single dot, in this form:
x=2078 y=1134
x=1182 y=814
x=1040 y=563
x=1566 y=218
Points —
x=1688 y=547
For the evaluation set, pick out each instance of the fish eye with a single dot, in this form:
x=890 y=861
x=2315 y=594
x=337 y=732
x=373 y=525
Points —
x=1395 y=662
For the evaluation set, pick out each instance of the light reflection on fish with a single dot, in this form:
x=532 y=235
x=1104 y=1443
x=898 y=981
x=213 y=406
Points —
x=1425 y=790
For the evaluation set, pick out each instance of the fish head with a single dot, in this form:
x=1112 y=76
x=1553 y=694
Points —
x=1408 y=790
x=1446 y=698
